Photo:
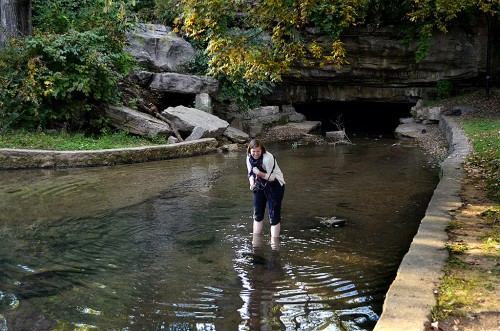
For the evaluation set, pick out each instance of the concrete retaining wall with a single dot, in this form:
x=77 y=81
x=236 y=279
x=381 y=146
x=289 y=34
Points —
x=26 y=159
x=411 y=297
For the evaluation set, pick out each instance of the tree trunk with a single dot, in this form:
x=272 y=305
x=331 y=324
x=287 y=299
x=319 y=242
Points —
x=15 y=19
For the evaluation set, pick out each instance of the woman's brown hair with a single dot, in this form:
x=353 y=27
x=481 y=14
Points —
x=256 y=143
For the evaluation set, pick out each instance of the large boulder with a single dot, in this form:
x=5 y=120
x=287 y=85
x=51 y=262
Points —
x=197 y=122
x=255 y=121
x=410 y=130
x=137 y=122
x=236 y=135
x=184 y=84
x=159 y=49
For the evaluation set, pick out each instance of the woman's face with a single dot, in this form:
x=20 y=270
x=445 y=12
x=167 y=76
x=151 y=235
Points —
x=255 y=152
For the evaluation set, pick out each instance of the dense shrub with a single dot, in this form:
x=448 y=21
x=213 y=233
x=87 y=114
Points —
x=67 y=69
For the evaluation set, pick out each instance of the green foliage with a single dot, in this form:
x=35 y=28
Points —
x=492 y=240
x=387 y=12
x=486 y=143
x=242 y=93
x=422 y=48
x=199 y=65
x=431 y=15
x=74 y=141
x=492 y=215
x=456 y=248
x=454 y=293
x=168 y=11
x=250 y=45
x=441 y=13
x=145 y=10
x=327 y=17
x=444 y=88
x=67 y=69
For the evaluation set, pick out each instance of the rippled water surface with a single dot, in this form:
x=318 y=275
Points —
x=168 y=245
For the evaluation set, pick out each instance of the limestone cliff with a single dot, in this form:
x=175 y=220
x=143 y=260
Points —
x=382 y=69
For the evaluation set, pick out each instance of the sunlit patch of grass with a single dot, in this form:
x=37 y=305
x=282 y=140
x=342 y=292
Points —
x=454 y=295
x=456 y=248
x=491 y=241
x=485 y=137
x=74 y=141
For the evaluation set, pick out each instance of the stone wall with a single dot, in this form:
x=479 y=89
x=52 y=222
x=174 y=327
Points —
x=381 y=68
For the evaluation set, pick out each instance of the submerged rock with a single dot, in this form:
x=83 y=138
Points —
x=332 y=221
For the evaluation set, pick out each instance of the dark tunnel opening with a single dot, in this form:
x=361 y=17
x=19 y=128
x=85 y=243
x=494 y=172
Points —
x=165 y=100
x=370 y=119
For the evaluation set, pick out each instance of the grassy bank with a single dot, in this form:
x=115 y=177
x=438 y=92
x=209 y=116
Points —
x=467 y=294
x=74 y=141
x=484 y=134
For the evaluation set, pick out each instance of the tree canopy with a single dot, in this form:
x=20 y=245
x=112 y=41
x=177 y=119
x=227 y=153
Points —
x=429 y=14
x=261 y=40
x=74 y=59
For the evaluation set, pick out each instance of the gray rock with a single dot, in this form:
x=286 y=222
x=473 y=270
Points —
x=236 y=135
x=203 y=101
x=187 y=119
x=26 y=159
x=382 y=69
x=335 y=136
x=306 y=126
x=158 y=49
x=142 y=78
x=293 y=115
x=197 y=133
x=185 y=84
x=428 y=114
x=406 y=120
x=229 y=148
x=258 y=118
x=410 y=130
x=172 y=140
x=434 y=114
x=137 y=122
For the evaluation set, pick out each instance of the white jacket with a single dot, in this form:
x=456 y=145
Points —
x=267 y=164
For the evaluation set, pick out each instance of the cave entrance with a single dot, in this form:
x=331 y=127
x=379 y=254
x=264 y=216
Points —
x=371 y=119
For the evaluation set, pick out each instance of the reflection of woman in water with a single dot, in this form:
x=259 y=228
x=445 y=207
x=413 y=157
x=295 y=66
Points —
x=264 y=172
x=262 y=275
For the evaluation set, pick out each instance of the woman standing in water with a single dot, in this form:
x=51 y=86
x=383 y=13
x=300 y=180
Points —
x=268 y=184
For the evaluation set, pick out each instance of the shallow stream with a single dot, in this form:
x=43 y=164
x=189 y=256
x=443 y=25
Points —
x=168 y=246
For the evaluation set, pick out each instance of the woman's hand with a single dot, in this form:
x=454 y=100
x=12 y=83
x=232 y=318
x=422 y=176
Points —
x=256 y=171
x=252 y=183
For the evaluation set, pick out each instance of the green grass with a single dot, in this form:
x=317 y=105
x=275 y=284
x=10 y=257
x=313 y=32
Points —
x=455 y=295
x=485 y=137
x=77 y=141
x=456 y=248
